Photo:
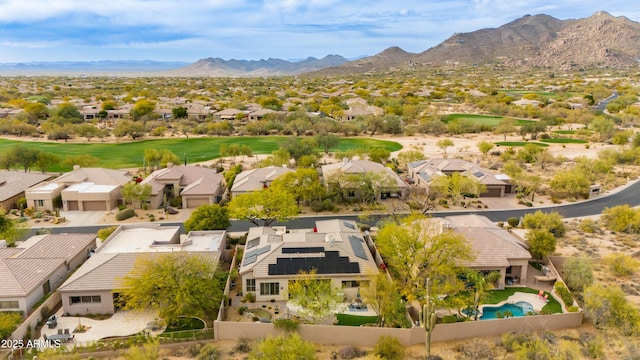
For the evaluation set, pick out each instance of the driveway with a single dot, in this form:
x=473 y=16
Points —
x=122 y=323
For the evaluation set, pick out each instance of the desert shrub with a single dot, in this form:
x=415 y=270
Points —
x=125 y=214
x=243 y=346
x=288 y=325
x=389 y=348
x=284 y=347
x=476 y=349
x=242 y=310
x=513 y=221
x=564 y=293
x=621 y=264
x=122 y=207
x=350 y=352
x=9 y=321
x=176 y=202
x=250 y=297
x=209 y=352
x=589 y=226
x=509 y=341
x=551 y=221
x=104 y=233
x=622 y=218
x=592 y=346
x=578 y=273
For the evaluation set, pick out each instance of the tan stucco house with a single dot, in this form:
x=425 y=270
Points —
x=37 y=266
x=494 y=248
x=424 y=171
x=391 y=185
x=83 y=189
x=196 y=185
x=256 y=179
x=93 y=288
x=13 y=185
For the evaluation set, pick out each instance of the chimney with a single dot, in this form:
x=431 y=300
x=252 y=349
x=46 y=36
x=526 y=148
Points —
x=345 y=159
x=76 y=167
x=169 y=164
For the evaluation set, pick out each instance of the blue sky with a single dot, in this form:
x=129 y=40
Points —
x=188 y=30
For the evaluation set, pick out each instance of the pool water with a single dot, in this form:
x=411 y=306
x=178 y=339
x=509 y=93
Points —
x=521 y=308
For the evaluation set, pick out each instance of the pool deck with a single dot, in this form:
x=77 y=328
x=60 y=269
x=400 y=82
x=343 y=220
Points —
x=536 y=301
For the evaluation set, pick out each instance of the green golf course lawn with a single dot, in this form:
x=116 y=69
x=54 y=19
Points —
x=130 y=154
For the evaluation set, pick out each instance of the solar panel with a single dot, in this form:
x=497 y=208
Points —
x=252 y=243
x=478 y=174
x=333 y=265
x=358 y=249
x=349 y=225
x=258 y=251
x=249 y=260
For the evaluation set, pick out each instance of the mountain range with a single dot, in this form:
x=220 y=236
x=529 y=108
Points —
x=600 y=40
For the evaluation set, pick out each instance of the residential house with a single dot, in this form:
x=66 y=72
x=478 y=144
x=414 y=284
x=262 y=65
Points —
x=256 y=179
x=13 y=185
x=93 y=288
x=527 y=102
x=90 y=113
x=259 y=114
x=424 y=171
x=335 y=249
x=229 y=114
x=360 y=107
x=37 y=266
x=494 y=248
x=198 y=112
x=388 y=185
x=83 y=189
x=196 y=185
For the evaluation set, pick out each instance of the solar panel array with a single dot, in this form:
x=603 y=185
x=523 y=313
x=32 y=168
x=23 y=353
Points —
x=302 y=250
x=251 y=256
x=253 y=243
x=331 y=263
x=357 y=246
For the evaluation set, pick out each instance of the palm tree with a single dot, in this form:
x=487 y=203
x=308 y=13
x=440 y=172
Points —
x=481 y=283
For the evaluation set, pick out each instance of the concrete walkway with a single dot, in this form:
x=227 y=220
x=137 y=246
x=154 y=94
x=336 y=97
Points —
x=122 y=323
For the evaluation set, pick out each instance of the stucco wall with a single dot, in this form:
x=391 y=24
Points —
x=104 y=307
x=35 y=317
x=368 y=336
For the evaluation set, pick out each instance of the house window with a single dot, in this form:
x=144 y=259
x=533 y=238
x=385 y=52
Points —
x=96 y=299
x=270 y=288
x=251 y=285
x=350 y=283
x=9 y=305
x=38 y=203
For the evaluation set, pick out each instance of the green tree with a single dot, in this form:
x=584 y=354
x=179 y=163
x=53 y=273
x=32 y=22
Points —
x=291 y=347
x=415 y=249
x=26 y=157
x=485 y=147
x=264 y=207
x=327 y=141
x=444 y=144
x=533 y=128
x=578 y=273
x=379 y=155
x=455 y=186
x=104 y=233
x=622 y=218
x=573 y=183
x=9 y=322
x=551 y=221
x=409 y=156
x=142 y=107
x=136 y=194
x=174 y=284
x=505 y=127
x=87 y=131
x=179 y=112
x=69 y=111
x=380 y=294
x=608 y=307
x=129 y=128
x=83 y=160
x=208 y=217
x=304 y=184
x=317 y=297
x=605 y=127
x=45 y=160
x=541 y=242
x=480 y=284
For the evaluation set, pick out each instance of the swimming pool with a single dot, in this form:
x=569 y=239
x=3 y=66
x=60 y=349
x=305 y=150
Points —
x=521 y=308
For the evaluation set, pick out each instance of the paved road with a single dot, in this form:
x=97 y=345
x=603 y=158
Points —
x=629 y=195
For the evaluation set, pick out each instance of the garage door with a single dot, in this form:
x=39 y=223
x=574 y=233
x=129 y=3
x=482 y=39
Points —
x=492 y=192
x=195 y=202
x=94 y=205
x=72 y=205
